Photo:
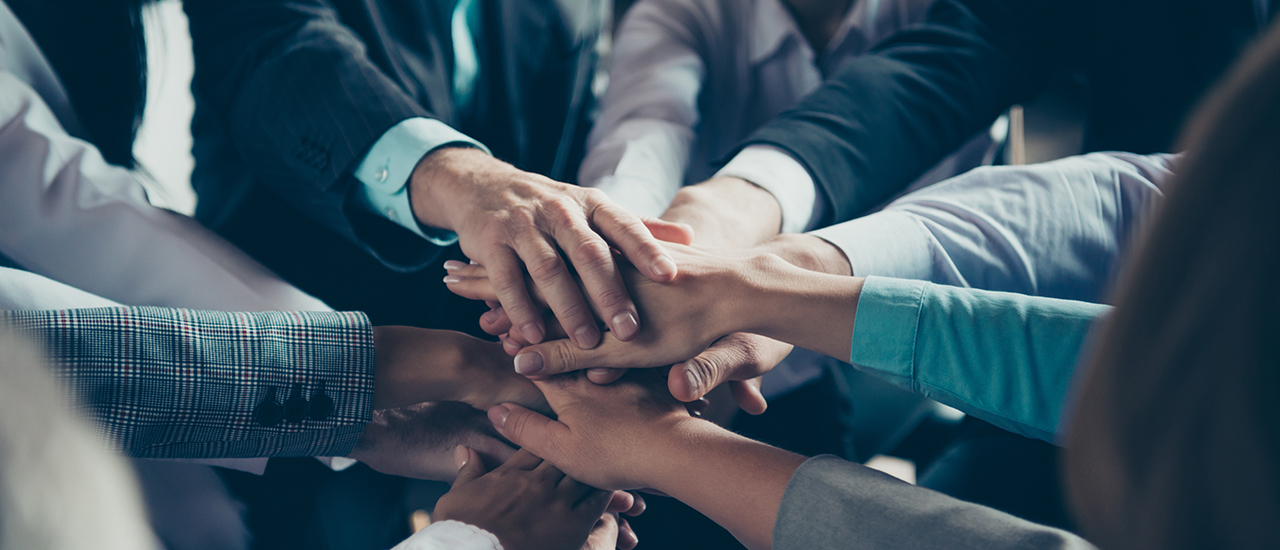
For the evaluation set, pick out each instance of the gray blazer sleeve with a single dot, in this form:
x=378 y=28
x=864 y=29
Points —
x=832 y=503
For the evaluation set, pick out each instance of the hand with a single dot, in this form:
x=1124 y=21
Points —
x=418 y=441
x=506 y=218
x=727 y=212
x=683 y=334
x=526 y=502
x=606 y=436
x=416 y=365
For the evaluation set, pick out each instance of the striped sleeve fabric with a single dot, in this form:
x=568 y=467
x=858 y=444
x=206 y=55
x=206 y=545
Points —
x=177 y=383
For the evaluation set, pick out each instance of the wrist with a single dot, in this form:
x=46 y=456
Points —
x=809 y=252
x=415 y=366
x=727 y=211
x=439 y=181
x=672 y=446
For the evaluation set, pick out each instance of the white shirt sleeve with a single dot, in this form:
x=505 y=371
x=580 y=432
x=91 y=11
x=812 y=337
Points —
x=639 y=148
x=1058 y=229
x=777 y=172
x=450 y=535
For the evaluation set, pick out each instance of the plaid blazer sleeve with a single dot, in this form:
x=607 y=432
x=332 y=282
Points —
x=178 y=383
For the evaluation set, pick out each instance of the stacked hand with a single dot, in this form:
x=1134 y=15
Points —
x=691 y=326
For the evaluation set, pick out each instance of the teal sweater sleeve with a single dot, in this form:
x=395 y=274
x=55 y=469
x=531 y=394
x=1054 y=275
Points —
x=1005 y=358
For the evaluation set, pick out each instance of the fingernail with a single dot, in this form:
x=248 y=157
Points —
x=453 y=264
x=635 y=539
x=498 y=415
x=663 y=266
x=532 y=333
x=586 y=337
x=529 y=363
x=460 y=456
x=625 y=325
x=694 y=386
x=489 y=316
x=450 y=279
x=599 y=371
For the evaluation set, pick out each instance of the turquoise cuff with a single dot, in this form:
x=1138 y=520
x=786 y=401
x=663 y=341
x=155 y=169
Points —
x=886 y=326
x=386 y=170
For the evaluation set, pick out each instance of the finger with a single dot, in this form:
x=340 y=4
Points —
x=471 y=288
x=495 y=321
x=549 y=474
x=734 y=357
x=559 y=356
x=522 y=460
x=621 y=501
x=629 y=235
x=663 y=230
x=531 y=431
x=627 y=538
x=466 y=271
x=604 y=377
x=637 y=506
x=604 y=534
x=552 y=277
x=600 y=275
x=470 y=467
x=592 y=501
x=508 y=282
x=746 y=393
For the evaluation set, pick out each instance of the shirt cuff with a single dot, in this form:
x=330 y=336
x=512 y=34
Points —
x=386 y=170
x=885 y=244
x=451 y=535
x=783 y=176
x=885 y=328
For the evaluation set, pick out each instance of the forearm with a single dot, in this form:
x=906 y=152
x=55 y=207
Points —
x=737 y=482
x=773 y=298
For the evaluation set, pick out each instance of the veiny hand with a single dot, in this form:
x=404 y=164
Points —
x=688 y=317
x=526 y=502
x=507 y=219
x=418 y=441
x=605 y=436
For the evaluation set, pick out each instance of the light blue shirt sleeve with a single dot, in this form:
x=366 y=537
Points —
x=385 y=171
x=1005 y=358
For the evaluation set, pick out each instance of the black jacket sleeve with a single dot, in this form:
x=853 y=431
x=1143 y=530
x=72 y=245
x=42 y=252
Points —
x=891 y=114
x=303 y=89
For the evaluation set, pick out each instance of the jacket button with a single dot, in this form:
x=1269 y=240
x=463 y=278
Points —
x=295 y=408
x=268 y=412
x=321 y=404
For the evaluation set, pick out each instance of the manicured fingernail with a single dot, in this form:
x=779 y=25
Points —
x=586 y=337
x=532 y=333
x=599 y=371
x=489 y=316
x=460 y=456
x=694 y=386
x=450 y=279
x=625 y=325
x=663 y=266
x=630 y=535
x=498 y=415
x=529 y=363
x=453 y=264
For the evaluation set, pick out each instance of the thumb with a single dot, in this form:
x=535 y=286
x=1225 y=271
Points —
x=672 y=232
x=528 y=430
x=560 y=356
x=469 y=465
x=692 y=379
x=747 y=394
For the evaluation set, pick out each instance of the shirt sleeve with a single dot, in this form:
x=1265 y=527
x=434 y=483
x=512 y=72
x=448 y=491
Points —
x=779 y=173
x=1006 y=358
x=1058 y=229
x=385 y=171
x=450 y=535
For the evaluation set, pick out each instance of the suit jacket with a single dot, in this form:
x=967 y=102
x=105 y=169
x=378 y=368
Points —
x=886 y=117
x=291 y=94
x=833 y=504
x=178 y=383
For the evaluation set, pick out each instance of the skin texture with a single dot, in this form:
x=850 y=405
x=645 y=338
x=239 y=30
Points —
x=509 y=220
x=633 y=434
x=515 y=500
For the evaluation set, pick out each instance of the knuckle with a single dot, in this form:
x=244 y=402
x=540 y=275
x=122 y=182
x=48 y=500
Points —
x=591 y=195
x=545 y=266
x=611 y=299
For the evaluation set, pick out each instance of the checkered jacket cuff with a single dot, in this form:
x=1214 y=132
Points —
x=177 y=383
